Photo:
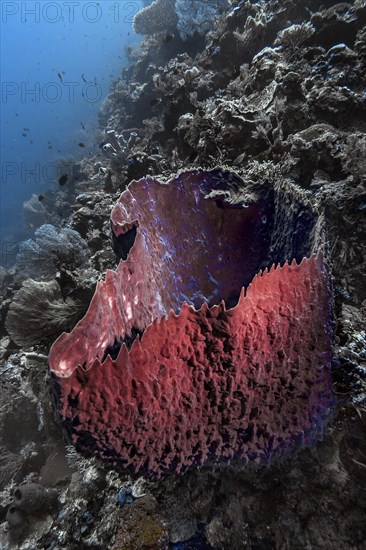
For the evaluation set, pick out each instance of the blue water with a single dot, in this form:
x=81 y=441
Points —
x=58 y=60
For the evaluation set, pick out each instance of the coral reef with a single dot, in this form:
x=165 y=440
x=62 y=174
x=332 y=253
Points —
x=160 y=16
x=45 y=310
x=294 y=36
x=51 y=248
x=31 y=497
x=10 y=464
x=141 y=526
x=285 y=116
x=117 y=145
x=191 y=17
x=197 y=15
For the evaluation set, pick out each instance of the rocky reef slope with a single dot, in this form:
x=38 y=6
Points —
x=275 y=91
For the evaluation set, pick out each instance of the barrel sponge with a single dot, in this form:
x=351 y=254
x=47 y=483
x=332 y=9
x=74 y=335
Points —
x=160 y=374
x=160 y=16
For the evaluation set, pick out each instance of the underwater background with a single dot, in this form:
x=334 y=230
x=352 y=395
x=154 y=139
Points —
x=183 y=358
x=57 y=64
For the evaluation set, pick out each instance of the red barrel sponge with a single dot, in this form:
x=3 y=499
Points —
x=161 y=374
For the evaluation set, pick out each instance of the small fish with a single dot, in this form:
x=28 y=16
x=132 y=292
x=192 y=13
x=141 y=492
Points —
x=82 y=125
x=30 y=225
x=24 y=135
x=41 y=198
x=26 y=129
x=82 y=144
x=239 y=159
x=63 y=179
x=83 y=77
x=50 y=147
x=60 y=76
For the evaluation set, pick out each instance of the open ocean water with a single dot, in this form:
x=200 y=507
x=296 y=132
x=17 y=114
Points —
x=58 y=60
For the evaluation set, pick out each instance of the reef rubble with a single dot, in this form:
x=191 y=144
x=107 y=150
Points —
x=274 y=92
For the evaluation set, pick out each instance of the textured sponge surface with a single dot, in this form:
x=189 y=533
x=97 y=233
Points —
x=202 y=382
x=216 y=384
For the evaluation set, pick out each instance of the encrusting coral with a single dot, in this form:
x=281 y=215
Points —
x=203 y=383
x=295 y=35
x=197 y=15
x=160 y=16
x=188 y=17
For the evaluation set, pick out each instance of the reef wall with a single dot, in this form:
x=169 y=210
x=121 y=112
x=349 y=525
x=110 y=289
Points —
x=275 y=92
